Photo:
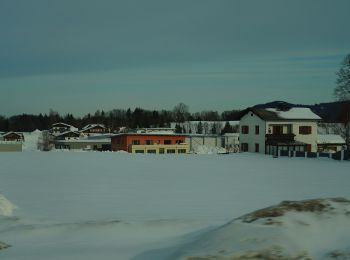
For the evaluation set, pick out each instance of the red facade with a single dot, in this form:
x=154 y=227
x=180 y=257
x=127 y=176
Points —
x=124 y=141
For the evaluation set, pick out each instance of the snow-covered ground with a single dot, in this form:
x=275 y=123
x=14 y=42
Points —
x=124 y=206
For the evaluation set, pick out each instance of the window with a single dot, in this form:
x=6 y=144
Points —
x=256 y=129
x=244 y=147
x=151 y=151
x=149 y=142
x=182 y=151
x=178 y=141
x=245 y=129
x=161 y=150
x=167 y=141
x=136 y=142
x=256 y=148
x=139 y=151
x=170 y=151
x=304 y=130
x=277 y=129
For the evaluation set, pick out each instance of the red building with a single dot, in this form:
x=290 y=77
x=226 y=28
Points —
x=149 y=143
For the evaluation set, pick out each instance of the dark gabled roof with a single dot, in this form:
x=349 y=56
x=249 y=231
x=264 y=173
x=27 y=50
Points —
x=262 y=113
x=11 y=132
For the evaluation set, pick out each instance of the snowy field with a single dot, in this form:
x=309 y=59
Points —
x=87 y=205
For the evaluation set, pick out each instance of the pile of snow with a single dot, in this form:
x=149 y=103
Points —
x=31 y=140
x=310 y=229
x=202 y=149
x=6 y=207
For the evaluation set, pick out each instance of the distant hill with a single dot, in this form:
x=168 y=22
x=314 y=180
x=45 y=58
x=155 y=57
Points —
x=332 y=112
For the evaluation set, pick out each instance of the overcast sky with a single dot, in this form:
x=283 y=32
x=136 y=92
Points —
x=82 y=55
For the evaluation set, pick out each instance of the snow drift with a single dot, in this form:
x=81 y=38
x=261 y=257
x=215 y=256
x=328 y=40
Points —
x=6 y=207
x=310 y=229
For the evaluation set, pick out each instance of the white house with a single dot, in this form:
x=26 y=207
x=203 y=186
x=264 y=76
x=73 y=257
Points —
x=59 y=128
x=269 y=130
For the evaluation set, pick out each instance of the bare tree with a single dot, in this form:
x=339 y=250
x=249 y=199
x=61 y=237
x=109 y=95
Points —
x=45 y=141
x=342 y=90
x=181 y=113
x=342 y=93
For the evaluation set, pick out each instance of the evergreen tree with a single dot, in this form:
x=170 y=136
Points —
x=227 y=128
x=178 y=129
x=213 y=129
x=200 y=128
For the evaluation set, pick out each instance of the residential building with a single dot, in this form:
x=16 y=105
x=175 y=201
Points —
x=94 y=129
x=13 y=136
x=59 y=128
x=68 y=135
x=150 y=143
x=271 y=130
x=11 y=142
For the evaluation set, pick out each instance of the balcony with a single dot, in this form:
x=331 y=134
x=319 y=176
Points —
x=280 y=138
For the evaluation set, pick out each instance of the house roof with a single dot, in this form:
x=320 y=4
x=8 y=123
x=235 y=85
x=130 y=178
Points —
x=89 y=126
x=11 y=132
x=67 y=132
x=273 y=114
x=330 y=139
x=63 y=124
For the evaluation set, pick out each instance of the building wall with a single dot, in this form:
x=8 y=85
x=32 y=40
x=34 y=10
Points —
x=124 y=142
x=251 y=120
x=78 y=145
x=10 y=146
x=160 y=149
x=308 y=139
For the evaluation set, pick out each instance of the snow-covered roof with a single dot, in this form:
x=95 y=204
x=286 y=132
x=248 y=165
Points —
x=295 y=113
x=330 y=139
x=11 y=132
x=89 y=126
x=164 y=132
x=63 y=124
x=66 y=132
x=274 y=114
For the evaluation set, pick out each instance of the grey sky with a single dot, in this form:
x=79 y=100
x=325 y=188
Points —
x=79 y=56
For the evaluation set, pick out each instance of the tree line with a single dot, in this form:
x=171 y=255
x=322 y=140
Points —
x=114 y=119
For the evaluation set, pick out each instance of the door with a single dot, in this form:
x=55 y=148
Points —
x=308 y=147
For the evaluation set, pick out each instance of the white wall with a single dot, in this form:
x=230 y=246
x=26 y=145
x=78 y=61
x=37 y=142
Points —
x=308 y=139
x=251 y=120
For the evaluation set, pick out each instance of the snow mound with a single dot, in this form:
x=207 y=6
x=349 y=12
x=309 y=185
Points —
x=6 y=207
x=310 y=229
x=3 y=245
x=30 y=143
